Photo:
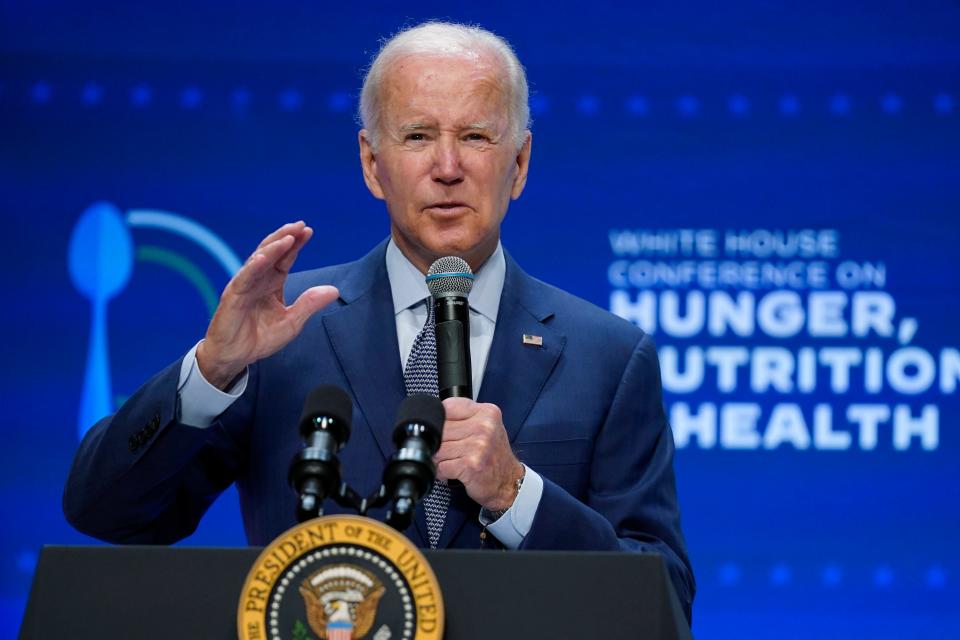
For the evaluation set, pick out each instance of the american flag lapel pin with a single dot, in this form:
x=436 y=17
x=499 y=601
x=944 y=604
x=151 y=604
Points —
x=536 y=341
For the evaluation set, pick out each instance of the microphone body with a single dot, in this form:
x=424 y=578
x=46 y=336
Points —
x=410 y=472
x=454 y=370
x=315 y=469
x=450 y=281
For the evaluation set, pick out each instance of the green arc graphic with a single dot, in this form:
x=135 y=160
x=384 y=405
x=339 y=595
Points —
x=184 y=267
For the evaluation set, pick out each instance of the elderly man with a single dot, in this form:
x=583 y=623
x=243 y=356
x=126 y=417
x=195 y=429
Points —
x=567 y=446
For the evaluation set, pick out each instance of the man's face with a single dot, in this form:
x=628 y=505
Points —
x=447 y=165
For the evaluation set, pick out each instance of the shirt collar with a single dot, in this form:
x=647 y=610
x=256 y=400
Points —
x=409 y=287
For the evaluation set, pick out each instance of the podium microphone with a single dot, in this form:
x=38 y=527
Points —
x=450 y=281
x=411 y=470
x=325 y=427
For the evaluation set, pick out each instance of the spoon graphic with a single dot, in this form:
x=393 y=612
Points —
x=100 y=260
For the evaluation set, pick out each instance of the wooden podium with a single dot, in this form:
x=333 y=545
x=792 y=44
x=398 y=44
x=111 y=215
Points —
x=172 y=592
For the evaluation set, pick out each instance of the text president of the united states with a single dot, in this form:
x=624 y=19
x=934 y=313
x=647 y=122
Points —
x=567 y=445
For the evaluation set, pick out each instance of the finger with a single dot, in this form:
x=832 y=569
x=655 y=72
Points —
x=460 y=408
x=449 y=470
x=466 y=409
x=309 y=302
x=259 y=267
x=283 y=265
x=449 y=451
x=458 y=430
x=289 y=229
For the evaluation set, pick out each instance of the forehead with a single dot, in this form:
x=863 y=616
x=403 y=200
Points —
x=444 y=88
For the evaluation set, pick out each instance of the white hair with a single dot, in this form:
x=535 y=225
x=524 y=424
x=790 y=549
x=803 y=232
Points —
x=452 y=40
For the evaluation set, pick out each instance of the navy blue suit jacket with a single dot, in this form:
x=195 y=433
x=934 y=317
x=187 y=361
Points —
x=584 y=410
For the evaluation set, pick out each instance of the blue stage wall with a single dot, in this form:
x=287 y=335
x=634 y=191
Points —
x=773 y=193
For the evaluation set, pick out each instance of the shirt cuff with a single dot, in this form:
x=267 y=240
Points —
x=200 y=402
x=514 y=525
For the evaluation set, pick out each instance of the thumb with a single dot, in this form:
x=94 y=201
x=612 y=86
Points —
x=311 y=301
x=459 y=408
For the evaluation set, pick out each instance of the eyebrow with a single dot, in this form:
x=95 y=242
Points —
x=419 y=126
x=416 y=126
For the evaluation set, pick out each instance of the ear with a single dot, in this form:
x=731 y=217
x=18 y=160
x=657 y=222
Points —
x=523 y=164
x=368 y=162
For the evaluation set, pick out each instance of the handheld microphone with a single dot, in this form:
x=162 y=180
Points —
x=410 y=472
x=450 y=281
x=325 y=427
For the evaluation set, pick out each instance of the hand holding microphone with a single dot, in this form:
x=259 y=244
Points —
x=476 y=452
x=475 y=449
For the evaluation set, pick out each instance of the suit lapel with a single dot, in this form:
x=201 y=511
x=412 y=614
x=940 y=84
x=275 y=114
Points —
x=363 y=334
x=515 y=372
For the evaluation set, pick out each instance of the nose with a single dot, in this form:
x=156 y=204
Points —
x=446 y=162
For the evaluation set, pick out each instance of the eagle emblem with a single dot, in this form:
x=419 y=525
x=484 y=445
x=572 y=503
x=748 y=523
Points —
x=341 y=601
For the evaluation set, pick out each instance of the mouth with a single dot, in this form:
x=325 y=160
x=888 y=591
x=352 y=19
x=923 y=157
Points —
x=447 y=205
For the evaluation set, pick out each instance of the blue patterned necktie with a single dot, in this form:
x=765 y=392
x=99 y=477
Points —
x=420 y=376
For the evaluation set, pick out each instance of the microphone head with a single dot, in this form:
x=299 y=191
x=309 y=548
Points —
x=328 y=401
x=425 y=410
x=448 y=275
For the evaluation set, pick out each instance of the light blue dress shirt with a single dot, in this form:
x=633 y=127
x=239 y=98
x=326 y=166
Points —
x=201 y=402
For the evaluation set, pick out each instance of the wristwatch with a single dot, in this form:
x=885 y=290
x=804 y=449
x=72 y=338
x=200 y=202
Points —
x=496 y=515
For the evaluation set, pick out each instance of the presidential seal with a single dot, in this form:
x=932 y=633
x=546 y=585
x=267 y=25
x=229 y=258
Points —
x=340 y=578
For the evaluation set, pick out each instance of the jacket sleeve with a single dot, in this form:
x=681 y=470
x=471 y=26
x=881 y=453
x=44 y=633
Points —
x=142 y=477
x=631 y=502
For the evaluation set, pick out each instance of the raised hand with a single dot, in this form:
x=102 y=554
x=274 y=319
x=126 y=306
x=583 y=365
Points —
x=476 y=451
x=252 y=321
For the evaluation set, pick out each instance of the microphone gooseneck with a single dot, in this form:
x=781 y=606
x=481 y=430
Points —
x=450 y=281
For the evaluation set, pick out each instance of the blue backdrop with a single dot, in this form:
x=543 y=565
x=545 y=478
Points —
x=773 y=192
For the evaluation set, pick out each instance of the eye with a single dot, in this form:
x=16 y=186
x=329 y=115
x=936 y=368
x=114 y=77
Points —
x=415 y=137
x=477 y=137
